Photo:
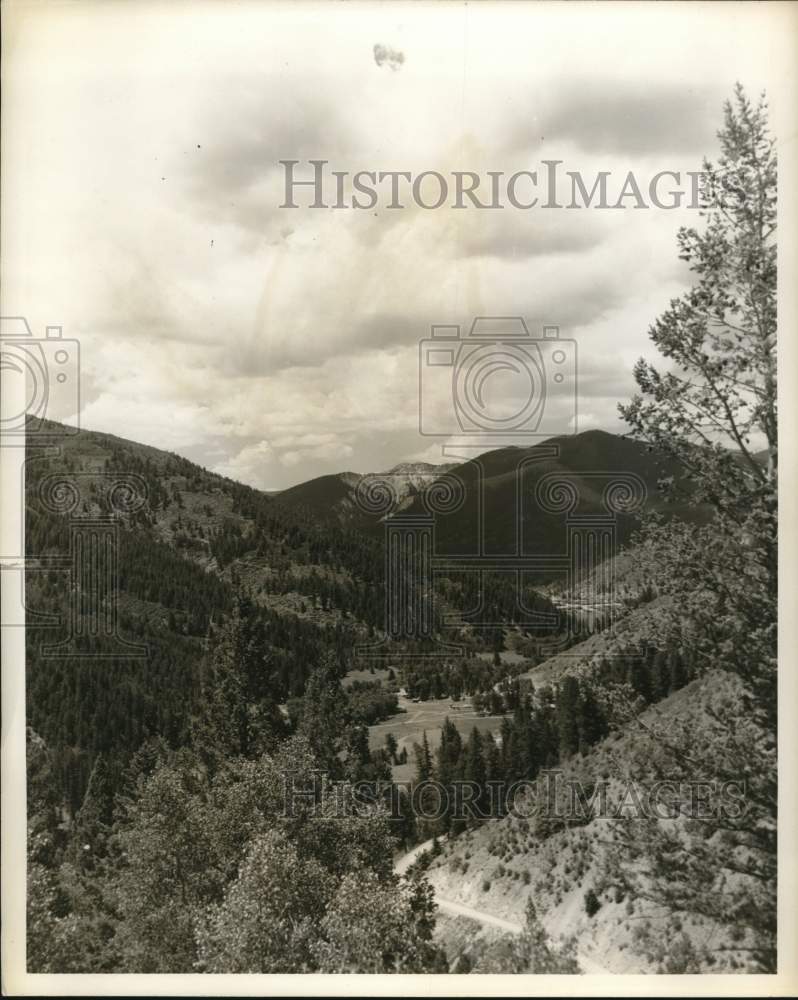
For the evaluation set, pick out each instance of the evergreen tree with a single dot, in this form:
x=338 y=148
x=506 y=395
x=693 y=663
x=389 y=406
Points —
x=449 y=771
x=239 y=715
x=567 y=715
x=326 y=716
x=423 y=757
x=711 y=410
x=475 y=771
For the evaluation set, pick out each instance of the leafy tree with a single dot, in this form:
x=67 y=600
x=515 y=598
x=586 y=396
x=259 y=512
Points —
x=171 y=871
x=721 y=335
x=373 y=928
x=268 y=918
x=52 y=944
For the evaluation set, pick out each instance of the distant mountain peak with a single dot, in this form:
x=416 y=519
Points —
x=413 y=468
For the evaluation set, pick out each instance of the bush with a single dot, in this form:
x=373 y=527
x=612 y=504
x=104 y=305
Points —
x=592 y=903
x=486 y=885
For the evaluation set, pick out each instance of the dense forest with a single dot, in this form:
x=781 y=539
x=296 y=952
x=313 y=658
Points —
x=232 y=687
x=209 y=685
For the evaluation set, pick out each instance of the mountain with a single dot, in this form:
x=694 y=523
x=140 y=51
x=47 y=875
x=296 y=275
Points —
x=310 y=558
x=590 y=460
x=308 y=567
x=334 y=497
x=197 y=542
x=413 y=477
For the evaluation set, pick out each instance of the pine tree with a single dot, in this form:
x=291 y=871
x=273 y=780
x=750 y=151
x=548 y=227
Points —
x=711 y=410
x=239 y=714
x=475 y=771
x=449 y=771
x=326 y=714
x=567 y=711
x=423 y=757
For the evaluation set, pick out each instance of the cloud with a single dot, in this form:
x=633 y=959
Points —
x=612 y=118
x=276 y=344
x=250 y=465
x=534 y=234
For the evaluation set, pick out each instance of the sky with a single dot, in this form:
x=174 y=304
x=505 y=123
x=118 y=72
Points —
x=143 y=190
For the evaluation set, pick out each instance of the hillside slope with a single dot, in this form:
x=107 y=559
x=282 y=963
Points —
x=495 y=868
x=590 y=459
x=196 y=542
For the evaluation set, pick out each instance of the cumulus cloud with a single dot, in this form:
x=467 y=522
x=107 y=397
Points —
x=251 y=465
x=611 y=117
x=280 y=344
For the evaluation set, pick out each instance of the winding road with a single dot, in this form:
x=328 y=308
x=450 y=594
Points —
x=449 y=906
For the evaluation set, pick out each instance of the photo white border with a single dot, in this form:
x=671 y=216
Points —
x=17 y=982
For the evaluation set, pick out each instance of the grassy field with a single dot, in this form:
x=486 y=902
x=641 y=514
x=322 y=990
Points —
x=416 y=718
x=378 y=674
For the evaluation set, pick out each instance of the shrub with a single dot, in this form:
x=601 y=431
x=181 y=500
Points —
x=592 y=903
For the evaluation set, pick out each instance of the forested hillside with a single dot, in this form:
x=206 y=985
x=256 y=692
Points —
x=177 y=583
x=238 y=614
x=197 y=542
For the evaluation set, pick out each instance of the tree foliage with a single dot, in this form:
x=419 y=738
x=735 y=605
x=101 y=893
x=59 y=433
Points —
x=715 y=410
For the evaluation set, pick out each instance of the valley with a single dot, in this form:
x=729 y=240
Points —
x=301 y=572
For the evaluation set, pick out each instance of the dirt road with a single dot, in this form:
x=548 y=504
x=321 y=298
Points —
x=480 y=916
x=449 y=905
